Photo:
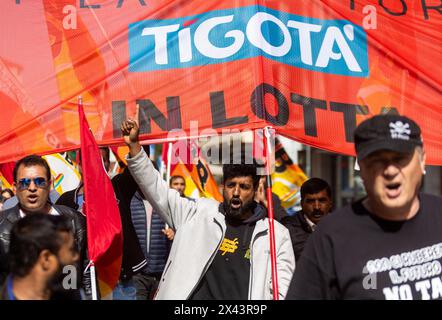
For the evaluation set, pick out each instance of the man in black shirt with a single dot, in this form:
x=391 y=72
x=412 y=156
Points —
x=228 y=276
x=387 y=245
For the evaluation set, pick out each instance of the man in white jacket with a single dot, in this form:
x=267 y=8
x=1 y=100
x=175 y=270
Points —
x=220 y=250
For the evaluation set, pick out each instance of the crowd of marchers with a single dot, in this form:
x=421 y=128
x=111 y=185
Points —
x=387 y=245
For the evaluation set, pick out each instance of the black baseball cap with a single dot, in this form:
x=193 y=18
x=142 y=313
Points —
x=387 y=132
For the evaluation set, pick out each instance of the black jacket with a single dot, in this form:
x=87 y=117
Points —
x=299 y=230
x=69 y=198
x=133 y=256
x=10 y=216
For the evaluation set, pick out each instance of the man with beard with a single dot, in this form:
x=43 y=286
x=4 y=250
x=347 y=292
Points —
x=41 y=247
x=220 y=250
x=32 y=184
x=316 y=203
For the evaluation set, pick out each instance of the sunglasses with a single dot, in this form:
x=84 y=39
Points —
x=39 y=182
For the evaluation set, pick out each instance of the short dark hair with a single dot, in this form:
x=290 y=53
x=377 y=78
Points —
x=30 y=236
x=106 y=152
x=173 y=178
x=7 y=190
x=32 y=160
x=241 y=170
x=104 y=157
x=315 y=185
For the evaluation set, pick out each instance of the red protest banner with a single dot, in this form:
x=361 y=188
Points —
x=311 y=69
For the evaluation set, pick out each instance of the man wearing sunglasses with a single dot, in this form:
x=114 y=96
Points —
x=32 y=184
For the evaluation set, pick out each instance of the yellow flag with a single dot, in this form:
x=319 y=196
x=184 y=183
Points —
x=287 y=178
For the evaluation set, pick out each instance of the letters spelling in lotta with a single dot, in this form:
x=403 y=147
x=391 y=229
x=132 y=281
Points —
x=333 y=46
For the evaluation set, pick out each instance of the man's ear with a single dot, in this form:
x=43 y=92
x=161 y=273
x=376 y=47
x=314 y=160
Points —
x=423 y=158
x=14 y=187
x=46 y=260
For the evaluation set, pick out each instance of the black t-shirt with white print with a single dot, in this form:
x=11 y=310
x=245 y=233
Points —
x=356 y=255
x=228 y=276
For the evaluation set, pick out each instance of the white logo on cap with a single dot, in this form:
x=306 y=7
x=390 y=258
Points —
x=400 y=130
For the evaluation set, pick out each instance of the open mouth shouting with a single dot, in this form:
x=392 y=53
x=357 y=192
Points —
x=393 y=190
x=235 y=203
x=317 y=214
x=32 y=198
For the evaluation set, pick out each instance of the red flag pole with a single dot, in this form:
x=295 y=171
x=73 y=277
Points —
x=268 y=153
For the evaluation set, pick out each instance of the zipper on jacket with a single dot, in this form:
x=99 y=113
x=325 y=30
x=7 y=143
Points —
x=259 y=234
x=209 y=261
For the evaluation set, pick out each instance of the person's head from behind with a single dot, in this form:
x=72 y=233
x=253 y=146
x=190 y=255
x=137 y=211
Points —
x=240 y=184
x=32 y=183
x=105 y=157
x=178 y=183
x=7 y=194
x=391 y=157
x=316 y=199
x=41 y=246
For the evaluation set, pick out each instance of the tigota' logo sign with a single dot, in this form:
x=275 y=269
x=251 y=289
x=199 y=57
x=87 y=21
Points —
x=331 y=46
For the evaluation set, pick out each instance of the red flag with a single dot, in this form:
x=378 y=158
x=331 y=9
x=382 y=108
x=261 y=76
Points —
x=7 y=170
x=104 y=232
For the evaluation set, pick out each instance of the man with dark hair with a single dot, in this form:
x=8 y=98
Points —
x=178 y=183
x=105 y=156
x=220 y=250
x=316 y=203
x=32 y=184
x=41 y=247
x=29 y=161
x=388 y=244
x=75 y=198
x=278 y=210
x=7 y=193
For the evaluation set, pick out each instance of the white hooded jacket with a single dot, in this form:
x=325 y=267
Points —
x=200 y=229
